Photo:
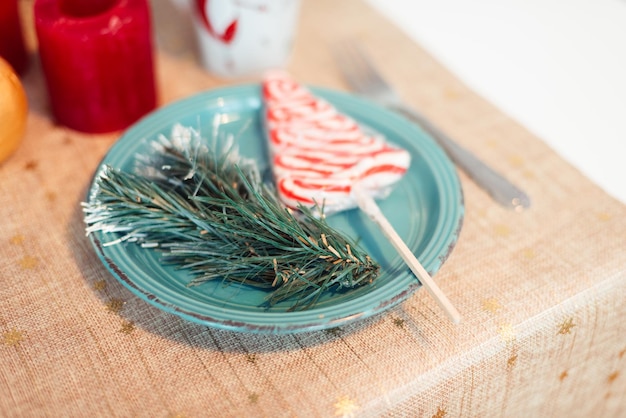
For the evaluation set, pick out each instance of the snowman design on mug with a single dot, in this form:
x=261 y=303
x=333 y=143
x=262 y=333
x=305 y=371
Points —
x=245 y=37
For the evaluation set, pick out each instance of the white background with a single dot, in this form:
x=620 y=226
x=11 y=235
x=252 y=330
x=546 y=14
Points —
x=556 y=66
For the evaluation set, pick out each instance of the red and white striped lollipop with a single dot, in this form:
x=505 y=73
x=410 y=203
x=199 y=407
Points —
x=320 y=155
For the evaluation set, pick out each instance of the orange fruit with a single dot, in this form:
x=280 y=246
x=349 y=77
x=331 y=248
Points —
x=13 y=110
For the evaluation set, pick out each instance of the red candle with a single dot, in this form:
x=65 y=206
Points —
x=12 y=47
x=98 y=61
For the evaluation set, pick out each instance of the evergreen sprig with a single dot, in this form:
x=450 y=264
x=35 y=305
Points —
x=207 y=210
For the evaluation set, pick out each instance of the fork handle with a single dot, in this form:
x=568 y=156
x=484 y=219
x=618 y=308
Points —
x=497 y=186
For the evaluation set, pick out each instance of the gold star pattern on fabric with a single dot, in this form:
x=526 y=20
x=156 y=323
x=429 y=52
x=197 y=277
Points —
x=563 y=375
x=251 y=358
x=528 y=174
x=491 y=305
x=28 y=262
x=566 y=326
x=115 y=305
x=399 y=322
x=604 y=217
x=13 y=337
x=31 y=165
x=507 y=333
x=100 y=285
x=253 y=397
x=17 y=239
x=345 y=407
x=440 y=413
x=492 y=143
x=612 y=377
x=516 y=160
x=529 y=253
x=512 y=361
x=502 y=230
x=127 y=327
x=451 y=93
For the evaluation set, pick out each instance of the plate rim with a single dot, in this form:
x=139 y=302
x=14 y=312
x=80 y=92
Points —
x=300 y=321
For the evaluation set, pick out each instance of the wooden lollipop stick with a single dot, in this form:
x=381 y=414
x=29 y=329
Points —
x=368 y=205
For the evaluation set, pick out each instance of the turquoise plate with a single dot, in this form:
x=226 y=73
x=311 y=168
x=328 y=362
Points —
x=426 y=208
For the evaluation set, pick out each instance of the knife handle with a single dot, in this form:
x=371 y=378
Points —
x=498 y=187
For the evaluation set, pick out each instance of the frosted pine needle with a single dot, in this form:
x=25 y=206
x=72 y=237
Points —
x=207 y=211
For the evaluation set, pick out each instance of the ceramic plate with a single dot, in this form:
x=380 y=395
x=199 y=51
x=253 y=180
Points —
x=426 y=208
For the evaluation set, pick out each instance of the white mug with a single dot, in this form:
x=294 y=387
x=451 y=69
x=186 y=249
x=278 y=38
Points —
x=240 y=38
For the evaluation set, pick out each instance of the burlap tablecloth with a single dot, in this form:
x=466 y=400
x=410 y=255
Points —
x=542 y=293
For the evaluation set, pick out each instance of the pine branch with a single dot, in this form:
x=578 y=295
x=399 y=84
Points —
x=207 y=211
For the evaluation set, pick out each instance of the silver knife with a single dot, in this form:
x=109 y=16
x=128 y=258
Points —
x=364 y=78
x=498 y=187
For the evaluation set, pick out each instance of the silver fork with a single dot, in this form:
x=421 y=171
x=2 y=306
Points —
x=363 y=78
